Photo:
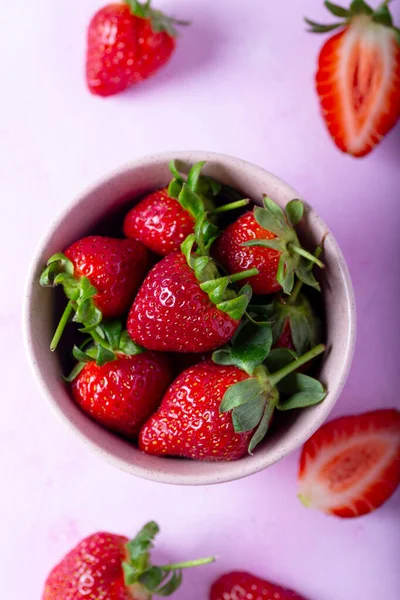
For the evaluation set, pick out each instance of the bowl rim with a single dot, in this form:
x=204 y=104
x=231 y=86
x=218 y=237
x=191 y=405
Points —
x=234 y=470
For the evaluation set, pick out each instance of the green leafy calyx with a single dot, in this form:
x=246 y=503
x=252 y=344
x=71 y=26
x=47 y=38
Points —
x=106 y=343
x=159 y=21
x=252 y=402
x=79 y=291
x=146 y=580
x=305 y=327
x=220 y=289
x=381 y=16
x=294 y=259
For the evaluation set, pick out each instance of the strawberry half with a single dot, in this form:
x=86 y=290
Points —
x=351 y=466
x=358 y=78
x=110 y=567
x=266 y=239
x=127 y=42
x=244 y=586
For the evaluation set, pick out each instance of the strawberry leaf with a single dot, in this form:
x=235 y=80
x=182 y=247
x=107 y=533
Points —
x=298 y=382
x=247 y=416
x=301 y=400
x=294 y=212
x=319 y=28
x=279 y=358
x=359 y=7
x=263 y=427
x=382 y=16
x=337 y=10
x=241 y=393
x=173 y=583
x=250 y=347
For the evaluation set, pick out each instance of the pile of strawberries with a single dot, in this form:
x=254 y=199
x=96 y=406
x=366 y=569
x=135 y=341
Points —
x=194 y=328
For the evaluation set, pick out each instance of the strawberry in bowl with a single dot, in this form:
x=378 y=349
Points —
x=243 y=400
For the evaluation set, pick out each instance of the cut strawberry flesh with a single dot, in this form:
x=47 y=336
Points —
x=351 y=466
x=358 y=82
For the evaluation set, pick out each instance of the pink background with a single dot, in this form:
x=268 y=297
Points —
x=240 y=83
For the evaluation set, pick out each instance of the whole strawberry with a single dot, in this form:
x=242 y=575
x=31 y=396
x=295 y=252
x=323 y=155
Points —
x=165 y=218
x=219 y=412
x=266 y=239
x=127 y=42
x=123 y=393
x=173 y=310
x=100 y=276
x=189 y=423
x=105 y=566
x=240 y=586
x=358 y=75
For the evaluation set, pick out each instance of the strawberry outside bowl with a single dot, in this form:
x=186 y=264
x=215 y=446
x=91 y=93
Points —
x=107 y=201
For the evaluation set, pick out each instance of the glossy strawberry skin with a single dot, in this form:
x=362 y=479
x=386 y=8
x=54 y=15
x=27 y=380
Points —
x=93 y=569
x=188 y=422
x=115 y=267
x=159 y=222
x=171 y=313
x=351 y=465
x=242 y=586
x=123 y=50
x=235 y=257
x=122 y=394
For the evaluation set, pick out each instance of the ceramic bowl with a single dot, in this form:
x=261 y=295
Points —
x=110 y=196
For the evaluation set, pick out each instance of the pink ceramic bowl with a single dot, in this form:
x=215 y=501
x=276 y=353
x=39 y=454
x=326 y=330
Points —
x=112 y=194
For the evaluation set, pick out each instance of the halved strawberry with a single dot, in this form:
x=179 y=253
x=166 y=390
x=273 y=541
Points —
x=358 y=77
x=351 y=466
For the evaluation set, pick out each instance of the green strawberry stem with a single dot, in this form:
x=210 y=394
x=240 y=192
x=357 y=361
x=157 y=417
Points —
x=188 y=564
x=275 y=378
x=306 y=254
x=296 y=291
x=230 y=206
x=61 y=325
x=243 y=275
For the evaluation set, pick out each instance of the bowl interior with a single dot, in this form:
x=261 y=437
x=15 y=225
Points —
x=105 y=204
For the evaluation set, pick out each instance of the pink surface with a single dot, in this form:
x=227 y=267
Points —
x=241 y=83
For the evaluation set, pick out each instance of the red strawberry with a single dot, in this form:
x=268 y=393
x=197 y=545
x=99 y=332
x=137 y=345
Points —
x=159 y=222
x=265 y=239
x=100 y=276
x=351 y=466
x=358 y=78
x=188 y=422
x=123 y=393
x=173 y=311
x=127 y=43
x=243 y=586
x=114 y=267
x=105 y=566
x=165 y=218
x=221 y=411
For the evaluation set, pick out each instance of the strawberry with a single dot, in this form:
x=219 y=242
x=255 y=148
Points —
x=240 y=586
x=122 y=393
x=266 y=239
x=219 y=410
x=175 y=312
x=351 y=465
x=106 y=566
x=188 y=422
x=100 y=277
x=165 y=218
x=358 y=77
x=127 y=42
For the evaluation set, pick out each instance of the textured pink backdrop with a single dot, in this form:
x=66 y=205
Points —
x=240 y=83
